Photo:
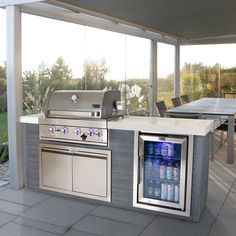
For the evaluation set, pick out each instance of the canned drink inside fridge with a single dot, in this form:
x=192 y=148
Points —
x=169 y=171
x=157 y=149
x=164 y=191
x=163 y=170
x=170 y=151
x=176 y=198
x=164 y=149
x=150 y=148
x=176 y=171
x=170 y=192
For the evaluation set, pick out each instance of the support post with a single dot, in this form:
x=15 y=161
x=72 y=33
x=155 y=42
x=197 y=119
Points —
x=14 y=96
x=177 y=71
x=153 y=78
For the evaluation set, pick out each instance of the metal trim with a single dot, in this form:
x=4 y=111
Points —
x=71 y=151
x=186 y=192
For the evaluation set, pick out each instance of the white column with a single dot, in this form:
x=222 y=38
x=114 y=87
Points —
x=14 y=96
x=153 y=78
x=177 y=71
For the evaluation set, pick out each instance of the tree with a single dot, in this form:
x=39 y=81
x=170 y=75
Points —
x=38 y=83
x=94 y=75
x=60 y=71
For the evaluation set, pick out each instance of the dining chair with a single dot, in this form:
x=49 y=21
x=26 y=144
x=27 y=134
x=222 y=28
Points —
x=224 y=128
x=161 y=107
x=176 y=101
x=185 y=99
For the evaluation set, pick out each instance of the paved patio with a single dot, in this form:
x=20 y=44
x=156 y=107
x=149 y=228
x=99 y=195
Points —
x=27 y=213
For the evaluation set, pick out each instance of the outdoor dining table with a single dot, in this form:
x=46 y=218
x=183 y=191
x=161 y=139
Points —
x=214 y=108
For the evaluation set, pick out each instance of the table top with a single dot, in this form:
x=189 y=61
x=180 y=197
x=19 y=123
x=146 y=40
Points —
x=211 y=106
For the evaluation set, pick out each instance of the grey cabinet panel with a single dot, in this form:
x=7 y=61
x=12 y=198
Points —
x=121 y=144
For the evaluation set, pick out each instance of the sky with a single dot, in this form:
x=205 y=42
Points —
x=45 y=40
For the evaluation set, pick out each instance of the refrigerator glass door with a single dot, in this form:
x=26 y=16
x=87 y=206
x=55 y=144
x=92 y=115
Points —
x=162 y=171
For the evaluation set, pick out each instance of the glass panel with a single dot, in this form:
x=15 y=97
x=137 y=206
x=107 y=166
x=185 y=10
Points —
x=81 y=57
x=162 y=170
x=165 y=73
x=208 y=70
x=137 y=75
x=52 y=58
x=104 y=55
x=3 y=80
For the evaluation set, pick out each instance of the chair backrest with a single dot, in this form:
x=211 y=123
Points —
x=176 y=101
x=184 y=115
x=185 y=99
x=161 y=107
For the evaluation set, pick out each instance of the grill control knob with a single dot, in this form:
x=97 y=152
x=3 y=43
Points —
x=65 y=130
x=52 y=129
x=99 y=133
x=83 y=136
x=77 y=131
x=90 y=132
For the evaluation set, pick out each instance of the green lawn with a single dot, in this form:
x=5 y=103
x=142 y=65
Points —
x=3 y=126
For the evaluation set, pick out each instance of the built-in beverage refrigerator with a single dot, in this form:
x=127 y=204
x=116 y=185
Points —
x=162 y=181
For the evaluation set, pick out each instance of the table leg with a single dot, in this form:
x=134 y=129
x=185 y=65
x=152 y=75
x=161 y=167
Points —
x=230 y=137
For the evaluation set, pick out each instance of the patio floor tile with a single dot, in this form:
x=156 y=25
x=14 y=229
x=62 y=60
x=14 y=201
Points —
x=5 y=218
x=59 y=211
x=229 y=207
x=123 y=215
x=12 y=229
x=225 y=226
x=101 y=226
x=217 y=191
x=163 y=226
x=73 y=232
x=44 y=226
x=22 y=196
x=12 y=208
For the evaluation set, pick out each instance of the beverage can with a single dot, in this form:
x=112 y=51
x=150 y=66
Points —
x=169 y=171
x=148 y=167
x=157 y=189
x=157 y=149
x=156 y=168
x=176 y=171
x=163 y=170
x=164 y=149
x=170 y=150
x=150 y=148
x=163 y=191
x=170 y=192
x=176 y=196
x=149 y=188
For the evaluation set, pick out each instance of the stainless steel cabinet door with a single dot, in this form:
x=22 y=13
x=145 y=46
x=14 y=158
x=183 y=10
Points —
x=90 y=175
x=56 y=170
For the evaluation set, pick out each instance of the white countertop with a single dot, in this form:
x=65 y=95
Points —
x=163 y=125
x=31 y=119
x=149 y=124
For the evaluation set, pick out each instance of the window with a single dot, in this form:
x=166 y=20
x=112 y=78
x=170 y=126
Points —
x=208 y=70
x=137 y=75
x=165 y=72
x=3 y=81
x=62 y=55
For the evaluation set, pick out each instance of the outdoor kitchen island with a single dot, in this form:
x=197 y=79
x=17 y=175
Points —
x=185 y=164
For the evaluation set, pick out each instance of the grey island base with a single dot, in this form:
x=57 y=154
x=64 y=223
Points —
x=122 y=145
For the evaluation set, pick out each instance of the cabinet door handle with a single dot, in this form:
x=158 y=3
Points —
x=91 y=154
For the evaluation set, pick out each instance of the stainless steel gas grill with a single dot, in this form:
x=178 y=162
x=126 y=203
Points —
x=77 y=117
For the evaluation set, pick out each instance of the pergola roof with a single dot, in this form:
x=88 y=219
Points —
x=186 y=20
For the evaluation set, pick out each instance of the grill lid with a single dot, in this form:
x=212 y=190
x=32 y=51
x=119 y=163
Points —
x=82 y=103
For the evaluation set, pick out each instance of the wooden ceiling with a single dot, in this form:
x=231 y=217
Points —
x=184 y=19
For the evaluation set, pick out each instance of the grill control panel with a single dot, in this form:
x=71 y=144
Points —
x=74 y=134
